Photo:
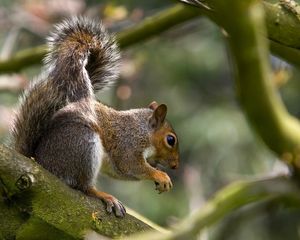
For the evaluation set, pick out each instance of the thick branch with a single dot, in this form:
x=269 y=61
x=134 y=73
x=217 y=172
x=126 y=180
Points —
x=49 y=203
x=282 y=25
x=289 y=53
x=258 y=96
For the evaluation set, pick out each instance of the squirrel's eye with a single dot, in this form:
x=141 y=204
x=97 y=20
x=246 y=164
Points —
x=171 y=140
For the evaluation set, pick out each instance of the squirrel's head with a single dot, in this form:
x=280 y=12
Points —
x=164 y=139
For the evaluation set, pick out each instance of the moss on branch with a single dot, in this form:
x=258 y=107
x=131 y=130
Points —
x=282 y=24
x=37 y=200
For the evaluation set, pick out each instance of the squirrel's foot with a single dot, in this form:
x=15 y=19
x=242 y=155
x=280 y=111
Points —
x=112 y=204
x=162 y=182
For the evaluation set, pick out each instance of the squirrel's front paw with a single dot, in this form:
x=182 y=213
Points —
x=163 y=182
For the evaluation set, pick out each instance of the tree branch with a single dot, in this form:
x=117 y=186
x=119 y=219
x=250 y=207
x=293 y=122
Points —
x=264 y=109
x=227 y=200
x=150 y=27
x=292 y=55
x=23 y=59
x=282 y=25
x=283 y=31
x=258 y=96
x=39 y=203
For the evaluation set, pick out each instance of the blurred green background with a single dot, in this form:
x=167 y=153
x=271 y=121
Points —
x=188 y=68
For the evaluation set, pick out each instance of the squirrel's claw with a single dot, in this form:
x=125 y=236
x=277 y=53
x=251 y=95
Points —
x=114 y=205
x=109 y=206
x=122 y=208
x=119 y=208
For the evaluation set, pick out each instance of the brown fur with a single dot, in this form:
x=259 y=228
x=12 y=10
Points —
x=126 y=134
x=167 y=156
x=62 y=126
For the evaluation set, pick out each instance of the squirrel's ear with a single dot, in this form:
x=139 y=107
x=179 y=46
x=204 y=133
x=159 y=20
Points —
x=153 y=105
x=158 y=116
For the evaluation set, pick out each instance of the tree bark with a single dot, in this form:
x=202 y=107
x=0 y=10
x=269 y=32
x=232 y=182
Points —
x=36 y=204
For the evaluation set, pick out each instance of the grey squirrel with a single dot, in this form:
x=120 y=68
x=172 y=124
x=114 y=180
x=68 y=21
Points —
x=62 y=126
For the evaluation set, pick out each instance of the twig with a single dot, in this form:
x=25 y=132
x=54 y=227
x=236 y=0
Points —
x=227 y=200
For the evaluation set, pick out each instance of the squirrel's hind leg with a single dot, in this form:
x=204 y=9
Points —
x=72 y=151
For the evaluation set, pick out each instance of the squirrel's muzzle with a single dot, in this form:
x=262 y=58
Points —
x=174 y=165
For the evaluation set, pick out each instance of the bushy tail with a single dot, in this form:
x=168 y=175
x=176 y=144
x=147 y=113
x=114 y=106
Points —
x=82 y=58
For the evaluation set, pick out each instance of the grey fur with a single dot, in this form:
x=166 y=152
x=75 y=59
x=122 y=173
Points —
x=56 y=120
x=82 y=58
x=103 y=55
x=70 y=150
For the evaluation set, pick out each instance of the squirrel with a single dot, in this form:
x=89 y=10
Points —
x=61 y=125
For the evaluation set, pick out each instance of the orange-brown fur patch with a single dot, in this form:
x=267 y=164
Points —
x=169 y=156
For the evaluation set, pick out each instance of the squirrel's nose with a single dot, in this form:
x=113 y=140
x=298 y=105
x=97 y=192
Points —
x=174 y=165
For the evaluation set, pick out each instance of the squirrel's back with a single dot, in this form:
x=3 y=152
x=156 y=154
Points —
x=82 y=58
